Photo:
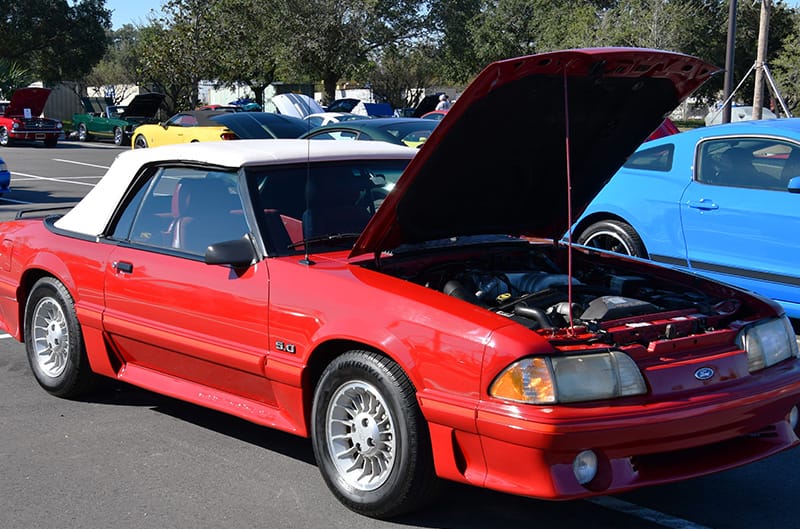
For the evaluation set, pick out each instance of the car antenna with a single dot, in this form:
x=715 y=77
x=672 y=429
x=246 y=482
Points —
x=306 y=260
x=569 y=203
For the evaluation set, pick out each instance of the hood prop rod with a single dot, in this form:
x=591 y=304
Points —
x=569 y=203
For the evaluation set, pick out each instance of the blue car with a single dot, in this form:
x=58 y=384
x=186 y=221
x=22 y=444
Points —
x=5 y=178
x=722 y=201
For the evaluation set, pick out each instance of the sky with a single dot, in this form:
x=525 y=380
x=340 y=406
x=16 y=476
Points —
x=132 y=11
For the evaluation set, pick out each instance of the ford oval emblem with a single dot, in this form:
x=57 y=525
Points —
x=704 y=373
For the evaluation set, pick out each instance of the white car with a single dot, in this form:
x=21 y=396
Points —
x=324 y=118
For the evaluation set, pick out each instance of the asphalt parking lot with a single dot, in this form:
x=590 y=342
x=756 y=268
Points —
x=127 y=458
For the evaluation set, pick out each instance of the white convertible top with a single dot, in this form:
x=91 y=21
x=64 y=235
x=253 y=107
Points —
x=91 y=215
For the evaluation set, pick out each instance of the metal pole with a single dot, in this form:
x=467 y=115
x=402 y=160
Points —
x=728 y=88
x=761 y=59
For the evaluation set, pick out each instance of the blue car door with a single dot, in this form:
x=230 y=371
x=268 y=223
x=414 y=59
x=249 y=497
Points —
x=741 y=225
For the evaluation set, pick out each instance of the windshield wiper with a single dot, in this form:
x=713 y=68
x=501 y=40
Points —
x=324 y=238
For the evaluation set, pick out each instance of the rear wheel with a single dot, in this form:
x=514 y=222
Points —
x=370 y=439
x=53 y=340
x=614 y=236
x=119 y=137
x=139 y=142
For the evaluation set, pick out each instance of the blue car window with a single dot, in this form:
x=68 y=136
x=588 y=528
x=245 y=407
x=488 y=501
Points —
x=654 y=159
x=755 y=163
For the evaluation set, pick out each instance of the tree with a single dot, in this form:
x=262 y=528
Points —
x=331 y=39
x=36 y=34
x=176 y=51
x=248 y=43
x=12 y=76
x=402 y=74
x=118 y=66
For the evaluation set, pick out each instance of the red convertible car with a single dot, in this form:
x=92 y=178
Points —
x=423 y=326
x=21 y=119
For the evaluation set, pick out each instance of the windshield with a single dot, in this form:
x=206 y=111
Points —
x=329 y=203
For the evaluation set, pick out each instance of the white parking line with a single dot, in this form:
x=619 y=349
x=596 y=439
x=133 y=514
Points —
x=80 y=163
x=52 y=179
x=4 y=336
x=644 y=513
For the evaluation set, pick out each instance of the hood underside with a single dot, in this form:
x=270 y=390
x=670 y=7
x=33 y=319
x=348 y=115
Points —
x=31 y=98
x=497 y=162
x=143 y=106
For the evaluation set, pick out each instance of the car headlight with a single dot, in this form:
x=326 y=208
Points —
x=767 y=343
x=575 y=378
x=59 y=125
x=15 y=125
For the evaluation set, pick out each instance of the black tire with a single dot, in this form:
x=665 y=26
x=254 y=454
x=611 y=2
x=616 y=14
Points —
x=613 y=236
x=4 y=139
x=54 y=342
x=119 y=136
x=139 y=142
x=83 y=133
x=370 y=439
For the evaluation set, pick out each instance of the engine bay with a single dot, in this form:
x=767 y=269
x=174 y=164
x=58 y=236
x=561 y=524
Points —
x=615 y=300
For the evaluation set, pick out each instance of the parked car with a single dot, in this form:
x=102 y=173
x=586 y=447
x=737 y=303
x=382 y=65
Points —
x=22 y=119
x=218 y=125
x=5 y=178
x=435 y=115
x=295 y=105
x=411 y=132
x=261 y=125
x=721 y=201
x=423 y=327
x=116 y=122
x=324 y=118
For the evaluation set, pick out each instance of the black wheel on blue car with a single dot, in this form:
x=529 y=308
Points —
x=119 y=137
x=54 y=342
x=370 y=439
x=614 y=236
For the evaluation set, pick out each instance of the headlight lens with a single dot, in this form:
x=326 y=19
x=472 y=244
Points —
x=578 y=378
x=767 y=343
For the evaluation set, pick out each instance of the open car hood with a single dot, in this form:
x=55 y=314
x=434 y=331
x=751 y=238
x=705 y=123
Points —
x=496 y=163
x=32 y=98
x=143 y=106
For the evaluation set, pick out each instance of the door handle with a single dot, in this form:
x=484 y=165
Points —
x=122 y=266
x=703 y=203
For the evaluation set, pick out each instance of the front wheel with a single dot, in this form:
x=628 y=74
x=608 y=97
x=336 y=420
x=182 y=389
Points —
x=83 y=132
x=119 y=137
x=370 y=439
x=4 y=139
x=140 y=142
x=613 y=236
x=53 y=340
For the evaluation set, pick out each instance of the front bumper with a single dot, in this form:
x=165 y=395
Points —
x=33 y=134
x=530 y=452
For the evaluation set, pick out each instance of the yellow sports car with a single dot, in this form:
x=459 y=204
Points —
x=184 y=127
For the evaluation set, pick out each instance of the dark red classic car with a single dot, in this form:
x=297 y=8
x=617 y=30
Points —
x=22 y=119
x=426 y=327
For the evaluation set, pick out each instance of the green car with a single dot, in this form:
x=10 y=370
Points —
x=114 y=121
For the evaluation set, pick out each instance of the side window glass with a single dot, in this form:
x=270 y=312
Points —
x=755 y=163
x=186 y=209
x=653 y=159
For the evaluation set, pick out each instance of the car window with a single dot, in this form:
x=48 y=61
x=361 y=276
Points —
x=338 y=135
x=185 y=209
x=301 y=202
x=756 y=163
x=654 y=159
x=183 y=120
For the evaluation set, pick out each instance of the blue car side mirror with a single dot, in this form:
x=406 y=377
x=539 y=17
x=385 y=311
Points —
x=794 y=185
